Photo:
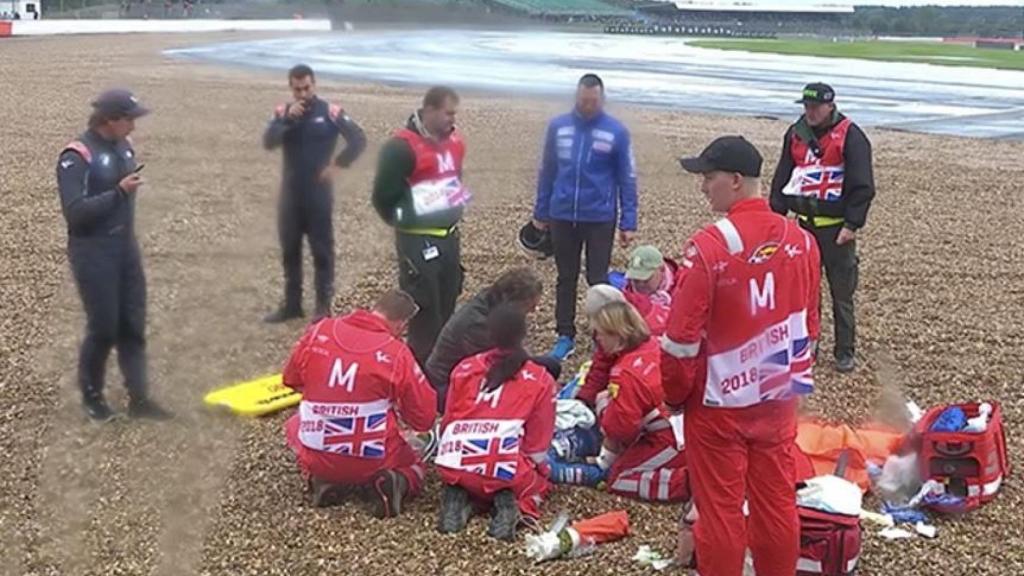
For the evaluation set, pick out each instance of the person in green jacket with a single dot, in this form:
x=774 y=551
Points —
x=418 y=191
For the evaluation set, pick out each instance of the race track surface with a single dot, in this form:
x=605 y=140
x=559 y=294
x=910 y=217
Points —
x=656 y=71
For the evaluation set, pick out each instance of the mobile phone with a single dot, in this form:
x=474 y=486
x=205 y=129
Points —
x=138 y=168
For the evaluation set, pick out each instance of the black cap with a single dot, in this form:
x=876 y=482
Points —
x=119 y=103
x=817 y=93
x=728 y=154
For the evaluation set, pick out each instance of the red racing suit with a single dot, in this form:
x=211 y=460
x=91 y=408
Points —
x=652 y=464
x=360 y=385
x=653 y=307
x=498 y=440
x=738 y=349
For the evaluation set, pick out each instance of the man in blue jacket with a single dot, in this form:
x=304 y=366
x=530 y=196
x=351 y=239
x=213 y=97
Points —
x=587 y=184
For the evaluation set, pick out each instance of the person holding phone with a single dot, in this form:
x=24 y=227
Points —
x=98 y=180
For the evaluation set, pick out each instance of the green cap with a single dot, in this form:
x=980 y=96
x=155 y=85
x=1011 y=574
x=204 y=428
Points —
x=644 y=262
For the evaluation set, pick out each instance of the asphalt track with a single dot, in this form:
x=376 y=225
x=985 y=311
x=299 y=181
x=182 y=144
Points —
x=655 y=71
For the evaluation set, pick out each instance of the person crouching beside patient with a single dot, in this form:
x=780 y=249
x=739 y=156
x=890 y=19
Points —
x=642 y=454
x=360 y=387
x=497 y=427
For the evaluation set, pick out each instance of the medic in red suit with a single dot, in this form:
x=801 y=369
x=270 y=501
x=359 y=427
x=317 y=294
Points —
x=643 y=447
x=496 y=431
x=360 y=388
x=650 y=281
x=737 y=352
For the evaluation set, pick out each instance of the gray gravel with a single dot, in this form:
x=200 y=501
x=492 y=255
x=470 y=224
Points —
x=939 y=308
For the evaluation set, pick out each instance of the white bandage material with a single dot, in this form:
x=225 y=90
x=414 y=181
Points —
x=926 y=530
x=606 y=458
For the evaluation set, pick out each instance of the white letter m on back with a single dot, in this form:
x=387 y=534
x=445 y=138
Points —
x=339 y=376
x=762 y=297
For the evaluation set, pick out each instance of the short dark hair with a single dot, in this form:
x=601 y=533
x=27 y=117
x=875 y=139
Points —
x=591 y=80
x=515 y=285
x=97 y=119
x=300 y=71
x=396 y=305
x=438 y=95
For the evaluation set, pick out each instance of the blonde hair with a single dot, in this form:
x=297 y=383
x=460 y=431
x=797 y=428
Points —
x=622 y=320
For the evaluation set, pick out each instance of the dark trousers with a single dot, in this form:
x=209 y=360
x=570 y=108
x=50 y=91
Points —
x=569 y=240
x=840 y=263
x=430 y=270
x=306 y=211
x=112 y=285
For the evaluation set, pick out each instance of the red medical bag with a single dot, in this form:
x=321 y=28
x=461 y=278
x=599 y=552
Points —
x=971 y=465
x=829 y=543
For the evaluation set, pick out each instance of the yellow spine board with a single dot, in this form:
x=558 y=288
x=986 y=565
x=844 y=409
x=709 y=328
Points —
x=258 y=397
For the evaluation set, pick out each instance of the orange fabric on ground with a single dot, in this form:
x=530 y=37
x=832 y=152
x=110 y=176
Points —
x=607 y=527
x=822 y=442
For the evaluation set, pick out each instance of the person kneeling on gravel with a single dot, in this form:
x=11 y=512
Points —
x=650 y=279
x=497 y=427
x=466 y=332
x=360 y=387
x=641 y=454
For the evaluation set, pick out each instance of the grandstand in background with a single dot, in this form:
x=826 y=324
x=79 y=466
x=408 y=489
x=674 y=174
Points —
x=740 y=20
x=562 y=8
x=647 y=17
x=745 y=13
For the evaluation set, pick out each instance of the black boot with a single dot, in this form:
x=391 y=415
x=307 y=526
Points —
x=284 y=314
x=323 y=310
x=846 y=363
x=322 y=491
x=389 y=488
x=146 y=408
x=504 y=516
x=455 y=510
x=97 y=409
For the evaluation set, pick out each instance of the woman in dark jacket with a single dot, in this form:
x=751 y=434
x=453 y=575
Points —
x=465 y=334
